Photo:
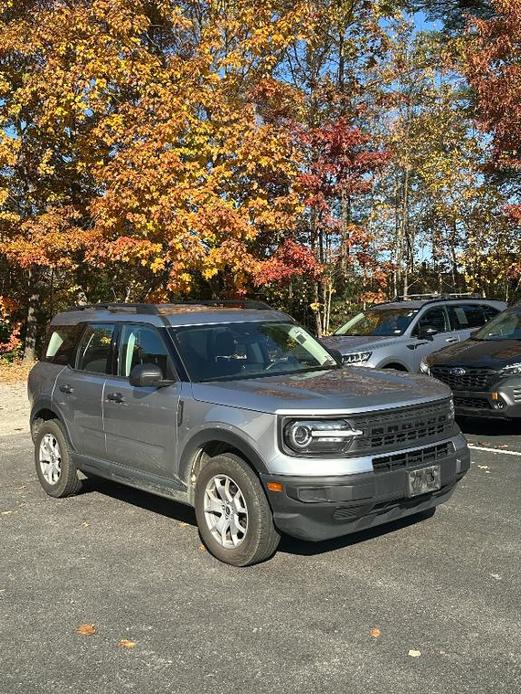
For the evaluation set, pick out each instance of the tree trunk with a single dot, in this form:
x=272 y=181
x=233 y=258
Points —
x=31 y=331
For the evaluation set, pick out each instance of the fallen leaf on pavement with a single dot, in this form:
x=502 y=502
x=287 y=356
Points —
x=85 y=525
x=497 y=577
x=415 y=654
x=375 y=633
x=202 y=548
x=86 y=629
x=483 y=467
x=182 y=525
x=127 y=643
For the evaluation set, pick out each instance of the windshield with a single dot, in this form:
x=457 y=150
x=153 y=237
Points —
x=505 y=326
x=379 y=321
x=249 y=350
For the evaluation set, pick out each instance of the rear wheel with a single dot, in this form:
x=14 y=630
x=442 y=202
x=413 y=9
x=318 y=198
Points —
x=233 y=513
x=54 y=467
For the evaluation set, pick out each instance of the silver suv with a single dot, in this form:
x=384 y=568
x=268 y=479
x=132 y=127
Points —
x=242 y=414
x=400 y=334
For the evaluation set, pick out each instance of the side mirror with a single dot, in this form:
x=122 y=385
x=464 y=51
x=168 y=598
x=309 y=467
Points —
x=427 y=332
x=337 y=356
x=143 y=375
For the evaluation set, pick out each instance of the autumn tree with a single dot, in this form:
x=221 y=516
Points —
x=131 y=155
x=494 y=71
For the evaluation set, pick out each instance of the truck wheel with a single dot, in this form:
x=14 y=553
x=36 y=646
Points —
x=233 y=513
x=54 y=467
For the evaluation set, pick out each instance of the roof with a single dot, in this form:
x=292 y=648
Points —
x=171 y=314
x=419 y=303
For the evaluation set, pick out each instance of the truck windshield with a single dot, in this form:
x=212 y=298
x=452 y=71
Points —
x=229 y=351
x=505 y=326
x=379 y=322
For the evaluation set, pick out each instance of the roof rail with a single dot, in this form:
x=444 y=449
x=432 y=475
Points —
x=232 y=303
x=434 y=296
x=115 y=306
x=155 y=309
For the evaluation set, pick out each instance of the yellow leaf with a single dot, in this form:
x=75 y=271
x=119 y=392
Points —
x=127 y=643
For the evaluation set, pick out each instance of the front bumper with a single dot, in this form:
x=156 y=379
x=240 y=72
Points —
x=503 y=402
x=320 y=508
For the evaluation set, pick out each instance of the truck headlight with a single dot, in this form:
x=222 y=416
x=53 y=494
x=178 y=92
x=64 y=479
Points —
x=425 y=368
x=310 y=436
x=356 y=357
x=511 y=370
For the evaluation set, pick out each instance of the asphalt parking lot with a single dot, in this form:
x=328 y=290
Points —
x=340 y=616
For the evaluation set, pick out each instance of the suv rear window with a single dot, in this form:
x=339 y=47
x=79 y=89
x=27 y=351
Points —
x=61 y=345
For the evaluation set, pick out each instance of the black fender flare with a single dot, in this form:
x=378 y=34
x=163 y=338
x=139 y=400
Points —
x=45 y=402
x=217 y=434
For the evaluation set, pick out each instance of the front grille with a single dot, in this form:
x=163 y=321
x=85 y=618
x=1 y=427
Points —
x=409 y=459
x=472 y=379
x=516 y=394
x=475 y=403
x=401 y=427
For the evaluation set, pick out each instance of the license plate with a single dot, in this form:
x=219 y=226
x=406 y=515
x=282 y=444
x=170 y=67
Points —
x=424 y=480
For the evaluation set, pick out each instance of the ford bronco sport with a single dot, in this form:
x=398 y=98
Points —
x=242 y=414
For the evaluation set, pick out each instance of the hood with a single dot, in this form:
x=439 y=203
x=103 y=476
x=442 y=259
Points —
x=353 y=388
x=485 y=354
x=346 y=344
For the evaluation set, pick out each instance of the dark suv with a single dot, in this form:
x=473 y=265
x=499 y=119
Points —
x=485 y=371
x=242 y=414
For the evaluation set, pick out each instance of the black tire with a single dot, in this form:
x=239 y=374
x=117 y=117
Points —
x=68 y=482
x=261 y=538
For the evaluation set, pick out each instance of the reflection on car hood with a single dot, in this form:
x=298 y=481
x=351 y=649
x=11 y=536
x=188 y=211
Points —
x=352 y=388
x=346 y=344
x=486 y=354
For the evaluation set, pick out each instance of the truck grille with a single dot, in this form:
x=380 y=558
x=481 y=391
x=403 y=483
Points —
x=475 y=403
x=472 y=379
x=401 y=427
x=408 y=459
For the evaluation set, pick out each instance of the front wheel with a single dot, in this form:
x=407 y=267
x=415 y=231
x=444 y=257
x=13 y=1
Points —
x=233 y=513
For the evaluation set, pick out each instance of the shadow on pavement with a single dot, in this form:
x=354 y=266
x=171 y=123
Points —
x=292 y=545
x=489 y=427
x=145 y=500
x=185 y=514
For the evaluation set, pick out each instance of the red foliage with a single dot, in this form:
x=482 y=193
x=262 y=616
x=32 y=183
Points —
x=494 y=71
x=340 y=163
x=290 y=260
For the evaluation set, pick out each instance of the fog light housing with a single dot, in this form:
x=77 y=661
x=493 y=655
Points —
x=312 y=494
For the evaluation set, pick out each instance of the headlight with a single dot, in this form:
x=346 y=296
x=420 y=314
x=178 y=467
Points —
x=356 y=357
x=310 y=436
x=425 y=368
x=511 y=370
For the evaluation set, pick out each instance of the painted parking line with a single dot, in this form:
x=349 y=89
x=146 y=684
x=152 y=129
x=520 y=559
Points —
x=493 y=450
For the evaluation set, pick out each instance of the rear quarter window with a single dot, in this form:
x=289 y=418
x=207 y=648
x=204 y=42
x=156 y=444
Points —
x=62 y=343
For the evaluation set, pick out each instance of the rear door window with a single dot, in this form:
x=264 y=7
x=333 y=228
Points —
x=62 y=343
x=96 y=349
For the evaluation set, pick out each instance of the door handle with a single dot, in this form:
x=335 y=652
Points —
x=115 y=397
x=66 y=388
x=451 y=339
